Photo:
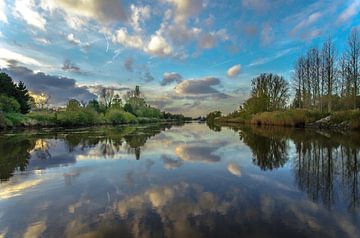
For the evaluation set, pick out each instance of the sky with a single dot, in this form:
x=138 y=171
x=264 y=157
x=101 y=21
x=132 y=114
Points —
x=187 y=56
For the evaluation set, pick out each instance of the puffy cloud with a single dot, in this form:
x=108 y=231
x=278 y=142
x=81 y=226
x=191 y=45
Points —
x=3 y=17
x=61 y=89
x=72 y=39
x=197 y=153
x=199 y=87
x=123 y=37
x=186 y=9
x=158 y=46
x=349 y=12
x=103 y=11
x=233 y=71
x=128 y=64
x=209 y=40
x=169 y=77
x=25 y=9
x=234 y=169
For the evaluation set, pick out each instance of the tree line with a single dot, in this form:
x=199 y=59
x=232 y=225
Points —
x=109 y=107
x=325 y=80
x=322 y=80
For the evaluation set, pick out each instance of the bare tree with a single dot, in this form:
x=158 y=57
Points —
x=329 y=70
x=353 y=54
x=107 y=96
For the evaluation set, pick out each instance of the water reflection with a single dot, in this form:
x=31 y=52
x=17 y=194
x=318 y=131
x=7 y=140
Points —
x=325 y=165
x=179 y=181
x=56 y=148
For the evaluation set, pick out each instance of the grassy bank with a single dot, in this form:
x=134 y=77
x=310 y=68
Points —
x=84 y=117
x=349 y=119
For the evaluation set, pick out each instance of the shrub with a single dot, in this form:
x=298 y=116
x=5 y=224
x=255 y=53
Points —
x=116 y=116
x=82 y=116
x=9 y=104
x=147 y=120
x=15 y=119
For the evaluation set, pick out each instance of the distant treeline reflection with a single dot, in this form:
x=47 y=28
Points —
x=325 y=165
x=17 y=149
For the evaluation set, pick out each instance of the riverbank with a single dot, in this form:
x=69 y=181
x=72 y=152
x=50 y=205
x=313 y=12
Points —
x=340 y=120
x=75 y=119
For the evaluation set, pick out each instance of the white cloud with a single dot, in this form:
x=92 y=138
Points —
x=42 y=40
x=349 y=12
x=7 y=55
x=306 y=22
x=25 y=9
x=158 y=46
x=233 y=71
x=72 y=39
x=3 y=17
x=265 y=60
x=138 y=16
x=123 y=37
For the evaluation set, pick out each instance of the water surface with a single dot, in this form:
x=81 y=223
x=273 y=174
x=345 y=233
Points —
x=179 y=181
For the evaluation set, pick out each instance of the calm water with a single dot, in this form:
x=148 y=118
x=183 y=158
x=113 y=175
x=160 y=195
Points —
x=179 y=181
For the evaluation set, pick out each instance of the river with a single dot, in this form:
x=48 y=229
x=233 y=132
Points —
x=179 y=181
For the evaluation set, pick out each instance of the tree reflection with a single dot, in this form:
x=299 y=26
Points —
x=14 y=155
x=269 y=151
x=327 y=170
x=17 y=150
x=325 y=165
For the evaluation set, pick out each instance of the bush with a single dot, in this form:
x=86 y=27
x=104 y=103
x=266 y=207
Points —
x=15 y=119
x=9 y=104
x=147 y=120
x=43 y=116
x=116 y=116
x=82 y=116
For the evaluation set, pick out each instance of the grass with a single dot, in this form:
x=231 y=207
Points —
x=351 y=116
x=293 y=118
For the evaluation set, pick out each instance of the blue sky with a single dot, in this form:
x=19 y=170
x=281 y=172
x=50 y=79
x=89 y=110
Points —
x=188 y=56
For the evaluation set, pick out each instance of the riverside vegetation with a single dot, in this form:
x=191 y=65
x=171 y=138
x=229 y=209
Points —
x=19 y=108
x=326 y=92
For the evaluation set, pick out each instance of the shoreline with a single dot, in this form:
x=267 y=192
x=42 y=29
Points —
x=41 y=125
x=337 y=121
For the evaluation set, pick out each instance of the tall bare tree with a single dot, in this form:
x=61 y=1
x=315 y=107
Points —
x=329 y=70
x=353 y=54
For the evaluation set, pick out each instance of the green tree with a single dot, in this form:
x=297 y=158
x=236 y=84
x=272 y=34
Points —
x=17 y=91
x=73 y=105
x=269 y=92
